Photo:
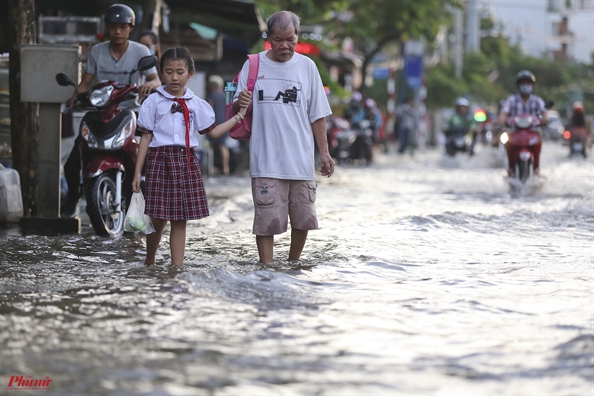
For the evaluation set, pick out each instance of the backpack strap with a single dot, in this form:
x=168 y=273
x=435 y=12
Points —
x=253 y=73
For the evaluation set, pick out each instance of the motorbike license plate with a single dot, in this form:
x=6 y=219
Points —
x=578 y=146
x=460 y=142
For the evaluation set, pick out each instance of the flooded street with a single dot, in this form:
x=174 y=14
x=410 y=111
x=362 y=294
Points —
x=427 y=276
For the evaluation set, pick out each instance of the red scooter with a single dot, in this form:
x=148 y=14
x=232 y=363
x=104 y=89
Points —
x=522 y=145
x=108 y=148
x=335 y=126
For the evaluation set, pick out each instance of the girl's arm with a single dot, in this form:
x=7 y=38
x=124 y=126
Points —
x=226 y=126
x=145 y=140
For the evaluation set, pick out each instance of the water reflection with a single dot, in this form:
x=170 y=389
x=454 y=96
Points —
x=427 y=276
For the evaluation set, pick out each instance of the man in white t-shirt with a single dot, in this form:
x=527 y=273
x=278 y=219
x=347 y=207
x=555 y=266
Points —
x=111 y=60
x=289 y=110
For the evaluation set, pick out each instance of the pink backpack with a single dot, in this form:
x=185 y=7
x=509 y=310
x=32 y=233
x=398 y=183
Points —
x=243 y=130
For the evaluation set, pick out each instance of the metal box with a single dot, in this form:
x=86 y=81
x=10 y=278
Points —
x=39 y=66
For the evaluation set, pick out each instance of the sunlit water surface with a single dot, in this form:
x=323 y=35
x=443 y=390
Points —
x=428 y=275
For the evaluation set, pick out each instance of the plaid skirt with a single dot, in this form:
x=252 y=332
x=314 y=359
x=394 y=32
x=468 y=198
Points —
x=174 y=192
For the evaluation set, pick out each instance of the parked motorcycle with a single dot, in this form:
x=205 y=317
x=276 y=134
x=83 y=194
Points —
x=577 y=139
x=523 y=141
x=457 y=141
x=108 y=148
x=335 y=126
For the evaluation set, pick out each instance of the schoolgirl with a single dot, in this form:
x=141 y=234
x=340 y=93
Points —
x=174 y=187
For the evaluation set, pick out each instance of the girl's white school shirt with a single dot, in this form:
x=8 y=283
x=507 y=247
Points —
x=169 y=128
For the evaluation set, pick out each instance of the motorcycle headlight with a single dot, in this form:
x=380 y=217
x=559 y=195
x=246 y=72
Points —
x=121 y=137
x=100 y=97
x=86 y=133
x=504 y=137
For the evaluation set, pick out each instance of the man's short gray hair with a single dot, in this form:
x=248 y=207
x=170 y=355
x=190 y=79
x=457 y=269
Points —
x=282 y=20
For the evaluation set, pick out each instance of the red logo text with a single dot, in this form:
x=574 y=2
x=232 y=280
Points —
x=26 y=382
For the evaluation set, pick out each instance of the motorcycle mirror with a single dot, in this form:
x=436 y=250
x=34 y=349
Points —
x=64 y=80
x=144 y=63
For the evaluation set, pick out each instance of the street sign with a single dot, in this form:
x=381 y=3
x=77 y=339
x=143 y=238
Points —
x=381 y=73
x=413 y=70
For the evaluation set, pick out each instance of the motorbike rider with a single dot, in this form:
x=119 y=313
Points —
x=462 y=120
x=354 y=106
x=111 y=60
x=524 y=102
x=371 y=113
x=578 y=123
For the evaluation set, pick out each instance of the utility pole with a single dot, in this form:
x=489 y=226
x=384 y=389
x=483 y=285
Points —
x=473 y=43
x=458 y=38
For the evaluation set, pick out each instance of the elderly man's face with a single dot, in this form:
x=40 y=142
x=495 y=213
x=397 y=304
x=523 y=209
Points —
x=282 y=44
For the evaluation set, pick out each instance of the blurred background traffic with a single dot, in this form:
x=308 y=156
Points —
x=379 y=54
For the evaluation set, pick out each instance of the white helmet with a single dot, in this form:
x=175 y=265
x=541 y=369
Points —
x=370 y=103
x=356 y=97
x=462 y=102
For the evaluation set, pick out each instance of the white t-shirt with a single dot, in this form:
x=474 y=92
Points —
x=287 y=99
x=169 y=128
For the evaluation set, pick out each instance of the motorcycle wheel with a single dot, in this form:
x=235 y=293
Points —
x=101 y=206
x=450 y=150
x=523 y=170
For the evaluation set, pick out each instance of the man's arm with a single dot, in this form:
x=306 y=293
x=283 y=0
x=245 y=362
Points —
x=319 y=131
x=152 y=82
x=83 y=86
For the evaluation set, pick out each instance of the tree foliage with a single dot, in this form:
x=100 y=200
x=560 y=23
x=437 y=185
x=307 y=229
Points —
x=489 y=76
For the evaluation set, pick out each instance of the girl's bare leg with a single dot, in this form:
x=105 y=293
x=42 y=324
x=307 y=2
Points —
x=153 y=240
x=177 y=241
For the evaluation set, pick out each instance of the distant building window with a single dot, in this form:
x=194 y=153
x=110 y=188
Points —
x=553 y=6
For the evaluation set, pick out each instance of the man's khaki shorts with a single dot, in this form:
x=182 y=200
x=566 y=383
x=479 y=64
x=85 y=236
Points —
x=275 y=200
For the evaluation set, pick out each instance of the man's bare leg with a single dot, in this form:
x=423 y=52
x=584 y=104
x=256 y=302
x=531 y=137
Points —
x=298 y=238
x=265 y=245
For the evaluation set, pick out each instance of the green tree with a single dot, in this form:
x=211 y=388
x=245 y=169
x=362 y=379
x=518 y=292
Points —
x=378 y=23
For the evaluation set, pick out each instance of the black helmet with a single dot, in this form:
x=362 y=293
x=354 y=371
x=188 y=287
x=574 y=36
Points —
x=120 y=13
x=525 y=75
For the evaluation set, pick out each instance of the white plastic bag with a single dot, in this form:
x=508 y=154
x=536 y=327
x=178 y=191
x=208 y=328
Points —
x=136 y=220
x=11 y=201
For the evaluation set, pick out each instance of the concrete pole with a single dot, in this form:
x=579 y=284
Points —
x=459 y=38
x=473 y=43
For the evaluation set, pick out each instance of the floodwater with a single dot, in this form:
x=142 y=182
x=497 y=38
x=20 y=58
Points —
x=429 y=275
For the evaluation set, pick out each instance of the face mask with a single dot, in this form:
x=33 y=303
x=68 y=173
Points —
x=526 y=89
x=152 y=50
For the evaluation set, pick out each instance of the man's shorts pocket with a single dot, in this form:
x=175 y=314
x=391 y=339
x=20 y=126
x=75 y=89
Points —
x=309 y=191
x=265 y=192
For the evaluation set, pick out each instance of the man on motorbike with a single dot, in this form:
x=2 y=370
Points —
x=579 y=126
x=112 y=60
x=354 y=106
x=371 y=113
x=524 y=102
x=462 y=120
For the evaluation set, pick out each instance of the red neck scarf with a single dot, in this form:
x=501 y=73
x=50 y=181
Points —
x=182 y=102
